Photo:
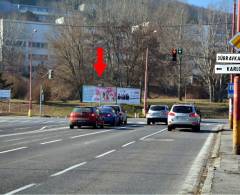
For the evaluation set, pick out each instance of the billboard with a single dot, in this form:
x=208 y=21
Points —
x=113 y=95
x=128 y=96
x=5 y=94
x=99 y=94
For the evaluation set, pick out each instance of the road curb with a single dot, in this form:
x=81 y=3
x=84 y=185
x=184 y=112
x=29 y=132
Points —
x=193 y=179
x=214 y=162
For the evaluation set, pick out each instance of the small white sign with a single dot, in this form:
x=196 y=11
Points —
x=5 y=94
x=227 y=69
x=228 y=58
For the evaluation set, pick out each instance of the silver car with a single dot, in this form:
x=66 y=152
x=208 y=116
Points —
x=183 y=116
x=157 y=113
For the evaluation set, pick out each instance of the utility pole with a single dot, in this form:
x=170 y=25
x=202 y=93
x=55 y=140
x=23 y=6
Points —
x=145 y=84
x=236 y=104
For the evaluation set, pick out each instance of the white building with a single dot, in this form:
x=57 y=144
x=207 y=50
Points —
x=28 y=38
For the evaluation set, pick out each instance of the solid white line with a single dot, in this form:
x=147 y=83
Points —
x=123 y=146
x=53 y=141
x=35 y=131
x=15 y=149
x=21 y=189
x=153 y=134
x=192 y=180
x=68 y=169
x=104 y=154
x=83 y=135
x=13 y=139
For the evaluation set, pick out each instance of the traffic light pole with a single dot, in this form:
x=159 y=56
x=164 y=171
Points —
x=180 y=79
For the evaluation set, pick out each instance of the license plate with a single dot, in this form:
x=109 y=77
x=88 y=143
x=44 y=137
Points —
x=181 y=118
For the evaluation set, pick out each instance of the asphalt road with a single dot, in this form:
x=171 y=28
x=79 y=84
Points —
x=44 y=156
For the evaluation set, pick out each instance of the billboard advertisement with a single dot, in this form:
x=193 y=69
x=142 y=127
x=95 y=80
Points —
x=128 y=96
x=113 y=95
x=99 y=94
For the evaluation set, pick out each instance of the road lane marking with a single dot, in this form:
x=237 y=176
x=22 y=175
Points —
x=152 y=134
x=13 y=139
x=83 y=135
x=106 y=153
x=68 y=169
x=53 y=141
x=35 y=131
x=43 y=128
x=20 y=189
x=125 y=145
x=15 y=149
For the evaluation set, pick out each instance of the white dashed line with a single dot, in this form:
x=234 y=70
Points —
x=53 y=141
x=153 y=134
x=15 y=149
x=83 y=135
x=20 y=189
x=125 y=145
x=43 y=128
x=68 y=169
x=106 y=153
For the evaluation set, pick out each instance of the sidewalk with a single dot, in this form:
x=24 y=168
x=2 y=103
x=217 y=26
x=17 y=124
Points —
x=225 y=169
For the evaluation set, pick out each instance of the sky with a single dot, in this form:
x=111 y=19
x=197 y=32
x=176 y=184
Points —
x=201 y=3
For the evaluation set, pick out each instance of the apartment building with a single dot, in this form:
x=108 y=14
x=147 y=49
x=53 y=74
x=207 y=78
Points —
x=19 y=40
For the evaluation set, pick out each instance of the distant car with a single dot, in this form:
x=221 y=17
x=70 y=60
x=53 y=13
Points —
x=183 y=116
x=121 y=113
x=109 y=115
x=157 y=113
x=85 y=116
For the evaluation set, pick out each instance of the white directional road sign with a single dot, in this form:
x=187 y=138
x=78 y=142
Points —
x=227 y=69
x=228 y=58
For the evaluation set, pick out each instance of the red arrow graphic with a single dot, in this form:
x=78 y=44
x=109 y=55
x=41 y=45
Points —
x=100 y=66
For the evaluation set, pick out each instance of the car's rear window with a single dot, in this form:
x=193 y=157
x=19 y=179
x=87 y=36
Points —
x=106 y=110
x=82 y=109
x=182 y=109
x=157 y=108
x=116 y=108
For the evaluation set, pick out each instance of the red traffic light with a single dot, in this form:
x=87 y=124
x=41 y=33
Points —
x=174 y=54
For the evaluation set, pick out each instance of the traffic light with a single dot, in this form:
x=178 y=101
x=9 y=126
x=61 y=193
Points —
x=174 y=54
x=180 y=51
x=50 y=74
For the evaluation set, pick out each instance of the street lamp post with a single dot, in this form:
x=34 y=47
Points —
x=145 y=84
x=30 y=74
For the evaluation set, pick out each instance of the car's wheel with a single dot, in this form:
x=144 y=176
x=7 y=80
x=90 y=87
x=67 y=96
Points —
x=170 y=128
x=148 y=122
x=197 y=128
x=79 y=126
x=125 y=122
x=71 y=126
x=95 y=126
x=153 y=122
x=102 y=126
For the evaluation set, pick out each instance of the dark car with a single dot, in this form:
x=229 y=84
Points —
x=85 y=116
x=109 y=115
x=120 y=112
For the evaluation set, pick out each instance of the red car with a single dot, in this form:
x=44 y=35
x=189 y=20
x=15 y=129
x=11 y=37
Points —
x=85 y=116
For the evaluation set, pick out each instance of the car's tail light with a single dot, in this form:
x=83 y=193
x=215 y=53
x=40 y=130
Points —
x=73 y=116
x=93 y=115
x=109 y=115
x=171 y=114
x=193 y=115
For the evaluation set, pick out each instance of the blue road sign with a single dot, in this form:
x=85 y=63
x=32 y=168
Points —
x=230 y=90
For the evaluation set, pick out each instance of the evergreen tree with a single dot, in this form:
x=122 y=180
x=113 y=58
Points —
x=3 y=82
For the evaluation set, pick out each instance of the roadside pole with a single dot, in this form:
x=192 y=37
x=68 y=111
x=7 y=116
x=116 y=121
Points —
x=236 y=104
x=232 y=76
x=236 y=116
